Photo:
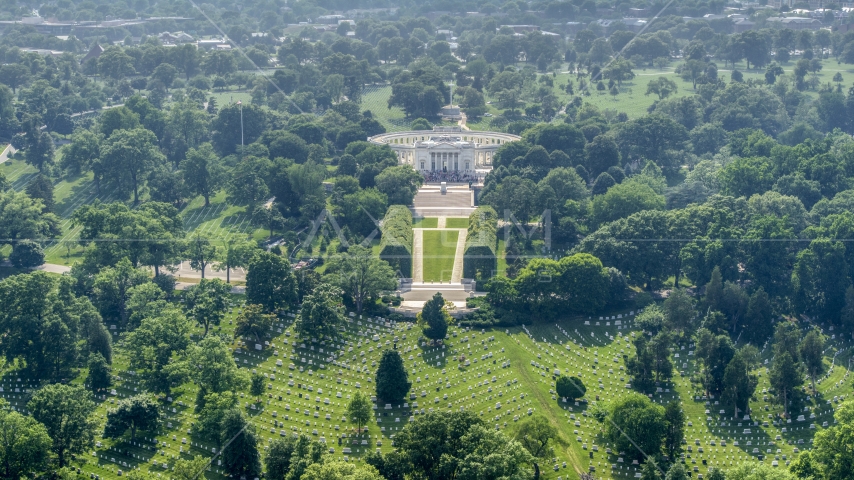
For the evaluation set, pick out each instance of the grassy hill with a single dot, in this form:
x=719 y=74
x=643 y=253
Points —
x=509 y=376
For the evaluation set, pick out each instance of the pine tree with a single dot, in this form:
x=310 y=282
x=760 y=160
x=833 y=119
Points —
x=392 y=381
x=715 y=290
x=811 y=349
x=785 y=377
x=99 y=372
x=42 y=189
x=675 y=431
x=240 y=455
x=435 y=318
x=650 y=471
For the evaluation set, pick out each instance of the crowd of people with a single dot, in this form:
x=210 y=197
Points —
x=452 y=177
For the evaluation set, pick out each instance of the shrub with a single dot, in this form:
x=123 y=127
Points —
x=396 y=244
x=570 y=387
x=479 y=259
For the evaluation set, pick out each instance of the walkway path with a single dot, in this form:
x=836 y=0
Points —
x=442 y=221
x=10 y=150
x=462 y=122
x=417 y=255
x=457 y=273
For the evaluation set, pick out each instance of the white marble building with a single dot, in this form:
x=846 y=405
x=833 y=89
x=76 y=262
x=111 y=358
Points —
x=445 y=149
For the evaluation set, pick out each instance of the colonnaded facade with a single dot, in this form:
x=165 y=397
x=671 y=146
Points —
x=445 y=149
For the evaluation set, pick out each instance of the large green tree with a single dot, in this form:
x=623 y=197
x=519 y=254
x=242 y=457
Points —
x=210 y=365
x=234 y=253
x=399 y=184
x=240 y=456
x=139 y=412
x=819 y=279
x=624 y=199
x=235 y=125
x=458 y=444
x=24 y=218
x=738 y=385
x=253 y=321
x=359 y=410
x=570 y=387
x=270 y=282
x=635 y=425
x=127 y=156
x=392 y=381
x=151 y=347
x=40 y=324
x=361 y=275
x=674 y=419
x=67 y=413
x=535 y=433
x=321 y=315
x=24 y=445
x=831 y=451
x=207 y=302
x=203 y=172
x=785 y=376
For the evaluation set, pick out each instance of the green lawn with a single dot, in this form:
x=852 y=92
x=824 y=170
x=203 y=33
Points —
x=440 y=247
x=632 y=98
x=375 y=98
x=230 y=96
x=457 y=223
x=421 y=222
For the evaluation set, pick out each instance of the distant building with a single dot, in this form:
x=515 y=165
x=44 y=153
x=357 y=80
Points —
x=445 y=149
x=743 y=25
x=94 y=52
x=794 y=23
x=209 y=43
x=635 y=24
x=175 y=38
x=43 y=52
x=332 y=19
x=523 y=28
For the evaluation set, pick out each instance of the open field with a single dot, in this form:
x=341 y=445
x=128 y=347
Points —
x=509 y=376
x=440 y=248
x=632 y=98
x=230 y=96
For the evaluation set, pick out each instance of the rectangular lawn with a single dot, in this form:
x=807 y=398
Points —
x=429 y=222
x=456 y=223
x=440 y=247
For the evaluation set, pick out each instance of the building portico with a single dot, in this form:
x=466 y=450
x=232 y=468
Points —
x=445 y=149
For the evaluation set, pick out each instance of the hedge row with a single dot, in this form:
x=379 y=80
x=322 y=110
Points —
x=396 y=243
x=479 y=259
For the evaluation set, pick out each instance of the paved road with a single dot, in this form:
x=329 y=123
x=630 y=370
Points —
x=61 y=269
x=10 y=150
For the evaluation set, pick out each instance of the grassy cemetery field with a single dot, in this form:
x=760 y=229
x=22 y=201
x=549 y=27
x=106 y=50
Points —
x=503 y=375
